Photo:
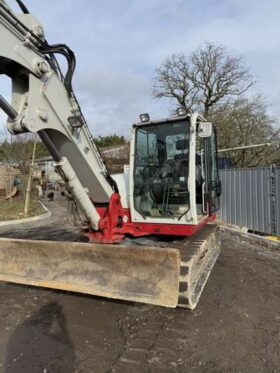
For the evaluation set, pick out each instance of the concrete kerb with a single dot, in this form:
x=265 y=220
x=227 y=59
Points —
x=251 y=236
x=48 y=214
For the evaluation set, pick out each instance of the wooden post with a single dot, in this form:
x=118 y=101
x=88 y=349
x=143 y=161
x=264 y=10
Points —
x=28 y=187
x=9 y=170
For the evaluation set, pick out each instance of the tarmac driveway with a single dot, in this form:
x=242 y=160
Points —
x=235 y=328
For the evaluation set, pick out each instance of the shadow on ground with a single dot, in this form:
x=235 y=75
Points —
x=41 y=343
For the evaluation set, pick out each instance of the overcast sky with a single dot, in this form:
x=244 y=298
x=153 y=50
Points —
x=119 y=43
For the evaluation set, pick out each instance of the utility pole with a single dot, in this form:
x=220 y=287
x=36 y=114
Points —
x=28 y=187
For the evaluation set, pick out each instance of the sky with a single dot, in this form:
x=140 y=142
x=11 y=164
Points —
x=119 y=43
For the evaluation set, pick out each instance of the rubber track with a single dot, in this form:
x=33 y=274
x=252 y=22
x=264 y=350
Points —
x=198 y=256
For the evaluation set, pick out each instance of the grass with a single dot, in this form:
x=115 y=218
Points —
x=14 y=210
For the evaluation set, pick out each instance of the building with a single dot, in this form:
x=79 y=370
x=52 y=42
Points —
x=115 y=157
x=44 y=168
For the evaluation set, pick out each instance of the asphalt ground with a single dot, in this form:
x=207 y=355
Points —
x=235 y=328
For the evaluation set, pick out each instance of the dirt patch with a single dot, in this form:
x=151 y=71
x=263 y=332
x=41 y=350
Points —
x=235 y=328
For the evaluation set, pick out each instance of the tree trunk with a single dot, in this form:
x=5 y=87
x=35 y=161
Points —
x=206 y=110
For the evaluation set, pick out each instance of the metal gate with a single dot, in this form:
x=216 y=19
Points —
x=251 y=198
x=277 y=200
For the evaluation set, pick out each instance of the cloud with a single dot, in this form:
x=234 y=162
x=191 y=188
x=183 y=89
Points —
x=119 y=43
x=113 y=99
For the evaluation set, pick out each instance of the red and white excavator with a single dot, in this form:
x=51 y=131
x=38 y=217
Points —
x=170 y=189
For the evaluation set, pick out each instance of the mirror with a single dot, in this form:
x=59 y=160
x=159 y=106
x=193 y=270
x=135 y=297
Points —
x=204 y=129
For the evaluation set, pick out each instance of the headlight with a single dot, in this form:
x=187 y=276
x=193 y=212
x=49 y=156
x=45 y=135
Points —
x=144 y=117
x=181 y=111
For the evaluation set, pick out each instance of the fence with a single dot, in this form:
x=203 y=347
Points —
x=251 y=198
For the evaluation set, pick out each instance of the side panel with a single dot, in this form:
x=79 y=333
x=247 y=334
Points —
x=122 y=181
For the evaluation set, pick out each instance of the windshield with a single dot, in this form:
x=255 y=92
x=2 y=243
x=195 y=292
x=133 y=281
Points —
x=161 y=169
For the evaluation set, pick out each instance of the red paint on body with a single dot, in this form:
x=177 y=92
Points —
x=116 y=222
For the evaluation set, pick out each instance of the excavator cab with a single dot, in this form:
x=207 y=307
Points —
x=174 y=174
x=161 y=162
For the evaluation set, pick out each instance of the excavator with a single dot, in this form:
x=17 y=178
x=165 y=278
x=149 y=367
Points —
x=150 y=231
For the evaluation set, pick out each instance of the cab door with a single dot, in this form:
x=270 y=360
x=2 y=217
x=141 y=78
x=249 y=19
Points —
x=212 y=174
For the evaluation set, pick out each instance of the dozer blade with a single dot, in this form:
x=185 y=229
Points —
x=170 y=277
x=141 y=274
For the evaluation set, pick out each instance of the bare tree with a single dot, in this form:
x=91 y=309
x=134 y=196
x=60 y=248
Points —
x=173 y=80
x=203 y=78
x=246 y=122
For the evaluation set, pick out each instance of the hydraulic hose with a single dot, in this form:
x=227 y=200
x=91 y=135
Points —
x=22 y=7
x=7 y=108
x=50 y=145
